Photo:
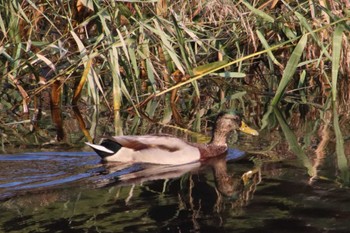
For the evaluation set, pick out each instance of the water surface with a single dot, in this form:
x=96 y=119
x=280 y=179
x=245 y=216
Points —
x=75 y=192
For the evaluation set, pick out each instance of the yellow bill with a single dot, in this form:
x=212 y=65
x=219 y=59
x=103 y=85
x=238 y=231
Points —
x=246 y=129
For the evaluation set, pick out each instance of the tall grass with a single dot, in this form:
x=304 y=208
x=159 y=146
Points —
x=121 y=54
x=133 y=46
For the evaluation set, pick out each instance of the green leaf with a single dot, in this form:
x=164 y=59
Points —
x=92 y=76
x=290 y=69
x=210 y=66
x=259 y=13
x=231 y=74
x=267 y=46
x=88 y=3
x=307 y=26
x=42 y=13
x=46 y=61
x=2 y=27
x=266 y=119
x=339 y=148
x=293 y=143
x=337 y=43
x=149 y=66
x=168 y=47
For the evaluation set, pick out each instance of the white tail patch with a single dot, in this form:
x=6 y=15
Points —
x=99 y=148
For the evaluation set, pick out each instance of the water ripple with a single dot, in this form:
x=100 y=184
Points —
x=30 y=171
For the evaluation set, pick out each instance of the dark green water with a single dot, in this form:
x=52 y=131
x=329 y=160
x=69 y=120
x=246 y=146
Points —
x=74 y=192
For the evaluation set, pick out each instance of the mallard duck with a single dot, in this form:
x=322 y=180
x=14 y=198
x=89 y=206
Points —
x=165 y=149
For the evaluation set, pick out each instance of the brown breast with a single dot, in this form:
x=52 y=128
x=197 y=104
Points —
x=209 y=151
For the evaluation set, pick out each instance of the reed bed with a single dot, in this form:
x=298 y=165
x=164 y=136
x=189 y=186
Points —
x=170 y=61
x=120 y=53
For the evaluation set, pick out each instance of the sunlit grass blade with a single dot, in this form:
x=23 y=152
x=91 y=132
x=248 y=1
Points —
x=293 y=143
x=124 y=46
x=290 y=34
x=259 y=13
x=181 y=43
x=151 y=108
x=231 y=74
x=184 y=54
x=196 y=125
x=2 y=27
x=135 y=125
x=136 y=69
x=82 y=124
x=92 y=76
x=5 y=54
x=236 y=96
x=207 y=67
x=22 y=13
x=193 y=36
x=87 y=3
x=308 y=27
x=290 y=69
x=46 y=61
x=79 y=88
x=113 y=61
x=150 y=73
x=196 y=77
x=267 y=118
x=267 y=46
x=15 y=56
x=45 y=16
x=167 y=46
x=301 y=84
x=149 y=66
x=23 y=93
x=119 y=87
x=337 y=44
x=167 y=113
x=94 y=121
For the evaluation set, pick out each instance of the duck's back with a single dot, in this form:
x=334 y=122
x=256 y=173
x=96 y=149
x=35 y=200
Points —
x=153 y=149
